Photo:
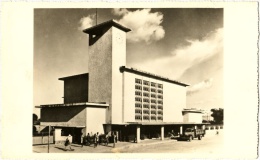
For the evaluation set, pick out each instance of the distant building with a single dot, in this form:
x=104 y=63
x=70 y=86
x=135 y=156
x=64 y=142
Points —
x=192 y=115
x=114 y=97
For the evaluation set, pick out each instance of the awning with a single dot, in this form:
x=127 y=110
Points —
x=86 y=104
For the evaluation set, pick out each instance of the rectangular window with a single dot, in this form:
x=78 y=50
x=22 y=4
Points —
x=146 y=117
x=160 y=118
x=160 y=102
x=139 y=81
x=146 y=83
x=153 y=101
x=160 y=91
x=153 y=112
x=153 y=95
x=138 y=87
x=146 y=89
x=146 y=94
x=160 y=96
x=160 y=112
x=138 y=105
x=146 y=100
x=138 y=117
x=153 y=90
x=160 y=107
x=146 y=111
x=160 y=86
x=146 y=105
x=153 y=84
x=138 y=93
x=138 y=111
x=153 y=118
x=138 y=99
x=153 y=106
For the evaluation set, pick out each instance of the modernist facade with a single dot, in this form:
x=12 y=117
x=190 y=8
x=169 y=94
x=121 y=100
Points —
x=115 y=97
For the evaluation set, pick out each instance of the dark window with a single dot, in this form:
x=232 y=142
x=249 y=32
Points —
x=146 y=83
x=138 y=87
x=139 y=81
x=146 y=94
x=138 y=105
x=146 y=89
x=153 y=90
x=138 y=93
x=138 y=117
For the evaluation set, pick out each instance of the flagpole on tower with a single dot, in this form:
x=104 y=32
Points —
x=96 y=16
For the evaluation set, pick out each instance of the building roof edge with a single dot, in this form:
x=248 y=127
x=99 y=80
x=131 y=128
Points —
x=73 y=76
x=136 y=71
x=111 y=22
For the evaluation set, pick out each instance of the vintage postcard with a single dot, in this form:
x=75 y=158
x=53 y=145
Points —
x=104 y=80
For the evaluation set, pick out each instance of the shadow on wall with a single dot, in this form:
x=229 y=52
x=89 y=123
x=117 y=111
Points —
x=60 y=114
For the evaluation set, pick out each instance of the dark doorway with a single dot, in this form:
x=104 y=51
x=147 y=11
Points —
x=74 y=132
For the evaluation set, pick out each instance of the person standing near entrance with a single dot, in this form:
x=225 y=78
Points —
x=95 y=140
x=82 y=139
x=114 y=139
x=97 y=136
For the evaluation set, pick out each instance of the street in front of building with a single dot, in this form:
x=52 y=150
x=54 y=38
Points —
x=210 y=144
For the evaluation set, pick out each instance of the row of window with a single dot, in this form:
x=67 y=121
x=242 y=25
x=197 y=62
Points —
x=146 y=100
x=148 y=112
x=137 y=117
x=139 y=105
x=147 y=88
x=147 y=83
x=138 y=93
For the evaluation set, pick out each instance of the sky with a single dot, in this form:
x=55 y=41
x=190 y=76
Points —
x=184 y=44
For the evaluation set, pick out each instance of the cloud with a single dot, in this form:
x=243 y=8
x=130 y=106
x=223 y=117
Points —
x=199 y=86
x=86 y=22
x=183 y=58
x=145 y=25
x=120 y=11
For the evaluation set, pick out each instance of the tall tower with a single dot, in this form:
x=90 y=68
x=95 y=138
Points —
x=107 y=52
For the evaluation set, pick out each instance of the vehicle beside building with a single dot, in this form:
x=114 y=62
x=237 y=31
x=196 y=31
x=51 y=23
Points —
x=190 y=133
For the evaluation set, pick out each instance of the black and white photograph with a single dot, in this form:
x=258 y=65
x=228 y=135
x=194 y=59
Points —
x=128 y=80
x=161 y=81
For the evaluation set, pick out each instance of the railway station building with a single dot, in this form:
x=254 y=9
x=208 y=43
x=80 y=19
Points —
x=115 y=97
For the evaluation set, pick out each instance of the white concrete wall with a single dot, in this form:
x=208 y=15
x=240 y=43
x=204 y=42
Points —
x=174 y=101
x=96 y=117
x=192 y=117
x=174 y=98
x=118 y=60
x=129 y=97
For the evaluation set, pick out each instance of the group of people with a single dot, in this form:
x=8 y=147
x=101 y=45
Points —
x=97 y=139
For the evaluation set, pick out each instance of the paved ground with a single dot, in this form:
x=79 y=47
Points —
x=210 y=144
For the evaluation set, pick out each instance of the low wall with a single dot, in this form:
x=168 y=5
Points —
x=42 y=140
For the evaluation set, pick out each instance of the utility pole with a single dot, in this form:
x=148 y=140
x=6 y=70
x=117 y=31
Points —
x=49 y=140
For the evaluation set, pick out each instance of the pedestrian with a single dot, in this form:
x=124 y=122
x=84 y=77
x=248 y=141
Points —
x=68 y=142
x=107 y=138
x=88 y=139
x=113 y=139
x=82 y=140
x=95 y=140
x=98 y=142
